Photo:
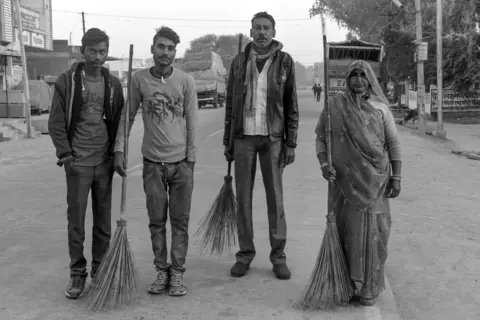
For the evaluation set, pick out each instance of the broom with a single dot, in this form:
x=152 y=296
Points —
x=330 y=285
x=219 y=227
x=115 y=283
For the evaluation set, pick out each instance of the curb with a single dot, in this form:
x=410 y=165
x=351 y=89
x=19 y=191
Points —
x=388 y=305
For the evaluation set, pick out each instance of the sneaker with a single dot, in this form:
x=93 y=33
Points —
x=75 y=287
x=161 y=283
x=177 y=286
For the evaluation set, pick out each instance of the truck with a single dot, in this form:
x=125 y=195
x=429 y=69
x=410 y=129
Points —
x=210 y=77
x=341 y=54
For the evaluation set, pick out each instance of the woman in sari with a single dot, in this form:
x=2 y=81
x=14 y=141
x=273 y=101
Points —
x=365 y=173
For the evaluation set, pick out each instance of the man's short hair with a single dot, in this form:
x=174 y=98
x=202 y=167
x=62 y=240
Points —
x=166 y=32
x=265 y=15
x=94 y=36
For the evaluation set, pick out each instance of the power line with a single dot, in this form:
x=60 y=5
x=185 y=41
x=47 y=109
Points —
x=172 y=19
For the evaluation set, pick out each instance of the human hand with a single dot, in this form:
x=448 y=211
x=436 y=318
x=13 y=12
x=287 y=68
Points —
x=393 y=188
x=119 y=164
x=288 y=156
x=228 y=155
x=329 y=173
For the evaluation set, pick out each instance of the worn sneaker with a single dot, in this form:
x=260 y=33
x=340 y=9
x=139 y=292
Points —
x=161 y=283
x=75 y=287
x=177 y=286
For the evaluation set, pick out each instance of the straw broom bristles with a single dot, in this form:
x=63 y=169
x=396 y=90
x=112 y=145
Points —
x=219 y=227
x=115 y=283
x=330 y=285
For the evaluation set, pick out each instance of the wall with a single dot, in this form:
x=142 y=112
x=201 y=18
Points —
x=36 y=19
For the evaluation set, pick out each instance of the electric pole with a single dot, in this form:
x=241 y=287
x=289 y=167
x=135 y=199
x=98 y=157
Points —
x=26 y=89
x=83 y=21
x=440 y=133
x=420 y=78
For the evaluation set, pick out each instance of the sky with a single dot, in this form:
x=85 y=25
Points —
x=134 y=22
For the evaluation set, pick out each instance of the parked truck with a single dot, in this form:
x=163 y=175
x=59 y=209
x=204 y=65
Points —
x=341 y=54
x=210 y=77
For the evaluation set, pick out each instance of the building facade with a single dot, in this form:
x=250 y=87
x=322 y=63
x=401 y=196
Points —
x=36 y=16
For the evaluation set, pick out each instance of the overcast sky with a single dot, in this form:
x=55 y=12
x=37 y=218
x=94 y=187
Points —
x=134 y=22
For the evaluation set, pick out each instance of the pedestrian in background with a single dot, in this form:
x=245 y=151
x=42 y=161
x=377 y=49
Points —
x=83 y=121
x=265 y=124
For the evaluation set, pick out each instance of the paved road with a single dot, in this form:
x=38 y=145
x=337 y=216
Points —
x=434 y=256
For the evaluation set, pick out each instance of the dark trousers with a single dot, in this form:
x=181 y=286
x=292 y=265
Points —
x=80 y=180
x=168 y=188
x=245 y=154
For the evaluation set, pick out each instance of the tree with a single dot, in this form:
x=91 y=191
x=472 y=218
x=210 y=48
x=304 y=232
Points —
x=225 y=45
x=395 y=28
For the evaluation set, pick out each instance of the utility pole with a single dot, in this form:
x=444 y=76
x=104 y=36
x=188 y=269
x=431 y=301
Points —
x=83 y=21
x=420 y=78
x=440 y=133
x=26 y=89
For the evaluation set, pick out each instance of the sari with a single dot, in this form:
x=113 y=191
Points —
x=361 y=160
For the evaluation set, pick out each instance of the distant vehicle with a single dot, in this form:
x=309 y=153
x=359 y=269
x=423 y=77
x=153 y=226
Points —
x=210 y=77
x=341 y=54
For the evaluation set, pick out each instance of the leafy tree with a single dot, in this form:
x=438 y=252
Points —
x=395 y=29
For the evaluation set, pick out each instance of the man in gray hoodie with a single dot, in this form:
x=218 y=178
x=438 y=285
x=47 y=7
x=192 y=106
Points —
x=169 y=107
x=86 y=108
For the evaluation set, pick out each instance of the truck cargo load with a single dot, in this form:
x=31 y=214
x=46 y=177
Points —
x=209 y=74
x=341 y=54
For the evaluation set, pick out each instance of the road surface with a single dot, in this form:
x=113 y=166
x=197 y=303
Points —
x=433 y=264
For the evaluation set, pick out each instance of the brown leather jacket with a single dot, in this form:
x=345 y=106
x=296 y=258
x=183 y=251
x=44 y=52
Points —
x=282 y=105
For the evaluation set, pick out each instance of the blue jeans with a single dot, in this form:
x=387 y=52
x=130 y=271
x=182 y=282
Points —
x=168 y=188
x=80 y=181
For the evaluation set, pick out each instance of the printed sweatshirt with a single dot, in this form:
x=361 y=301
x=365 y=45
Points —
x=169 y=111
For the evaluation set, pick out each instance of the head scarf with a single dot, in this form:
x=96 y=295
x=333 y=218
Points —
x=375 y=89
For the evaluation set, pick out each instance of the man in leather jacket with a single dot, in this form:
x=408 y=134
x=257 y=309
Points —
x=261 y=118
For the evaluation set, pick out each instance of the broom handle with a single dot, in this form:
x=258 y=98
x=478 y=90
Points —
x=327 y=109
x=125 y=134
x=232 y=123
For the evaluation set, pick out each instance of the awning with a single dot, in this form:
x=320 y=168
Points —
x=13 y=49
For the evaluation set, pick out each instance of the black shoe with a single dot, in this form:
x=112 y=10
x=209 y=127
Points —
x=75 y=287
x=93 y=272
x=161 y=283
x=281 y=271
x=239 y=269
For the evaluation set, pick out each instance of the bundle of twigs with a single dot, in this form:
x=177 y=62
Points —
x=330 y=285
x=219 y=227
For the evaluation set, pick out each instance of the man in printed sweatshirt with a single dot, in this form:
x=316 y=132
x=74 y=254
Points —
x=169 y=106
x=86 y=108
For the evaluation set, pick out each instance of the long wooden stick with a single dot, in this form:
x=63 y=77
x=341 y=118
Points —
x=327 y=110
x=232 y=118
x=126 y=132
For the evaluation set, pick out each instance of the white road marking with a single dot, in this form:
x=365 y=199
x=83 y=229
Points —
x=215 y=133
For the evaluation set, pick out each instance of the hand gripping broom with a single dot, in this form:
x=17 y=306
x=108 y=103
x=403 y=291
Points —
x=330 y=285
x=219 y=227
x=115 y=283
